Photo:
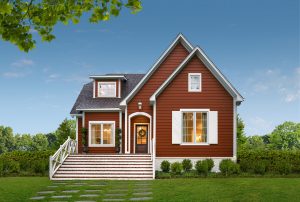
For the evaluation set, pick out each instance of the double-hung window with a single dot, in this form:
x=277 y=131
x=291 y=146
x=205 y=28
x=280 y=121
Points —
x=194 y=82
x=194 y=127
x=107 y=89
x=101 y=133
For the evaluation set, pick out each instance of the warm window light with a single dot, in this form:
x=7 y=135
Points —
x=140 y=105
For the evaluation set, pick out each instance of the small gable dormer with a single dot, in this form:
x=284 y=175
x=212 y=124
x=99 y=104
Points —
x=107 y=86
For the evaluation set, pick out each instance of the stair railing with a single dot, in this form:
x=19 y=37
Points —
x=57 y=159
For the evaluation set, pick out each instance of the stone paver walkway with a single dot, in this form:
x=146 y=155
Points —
x=89 y=191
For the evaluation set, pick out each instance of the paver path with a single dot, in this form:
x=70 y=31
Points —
x=95 y=191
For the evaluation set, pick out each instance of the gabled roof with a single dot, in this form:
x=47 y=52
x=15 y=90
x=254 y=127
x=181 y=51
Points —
x=85 y=100
x=210 y=65
x=179 y=39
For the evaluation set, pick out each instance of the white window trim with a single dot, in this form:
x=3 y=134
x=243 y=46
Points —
x=189 y=82
x=107 y=82
x=102 y=122
x=194 y=111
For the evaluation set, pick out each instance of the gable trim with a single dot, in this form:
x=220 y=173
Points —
x=213 y=69
x=179 y=38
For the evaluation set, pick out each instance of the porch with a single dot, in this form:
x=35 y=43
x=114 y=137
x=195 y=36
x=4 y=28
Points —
x=67 y=164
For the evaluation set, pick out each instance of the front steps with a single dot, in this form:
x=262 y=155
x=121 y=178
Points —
x=106 y=167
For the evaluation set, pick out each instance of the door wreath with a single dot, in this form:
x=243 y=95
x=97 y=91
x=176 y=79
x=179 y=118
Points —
x=142 y=133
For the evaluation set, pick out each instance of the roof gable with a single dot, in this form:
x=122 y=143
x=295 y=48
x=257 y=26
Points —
x=210 y=65
x=179 y=39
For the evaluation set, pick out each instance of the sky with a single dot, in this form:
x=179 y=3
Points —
x=254 y=43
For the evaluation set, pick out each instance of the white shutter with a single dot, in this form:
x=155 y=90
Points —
x=176 y=127
x=213 y=127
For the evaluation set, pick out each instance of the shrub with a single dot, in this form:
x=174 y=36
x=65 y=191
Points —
x=283 y=167
x=187 y=165
x=176 y=168
x=210 y=164
x=271 y=158
x=162 y=175
x=202 y=167
x=228 y=167
x=165 y=166
x=25 y=163
x=39 y=167
x=259 y=167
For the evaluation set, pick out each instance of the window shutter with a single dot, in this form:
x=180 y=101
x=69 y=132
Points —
x=213 y=127
x=176 y=127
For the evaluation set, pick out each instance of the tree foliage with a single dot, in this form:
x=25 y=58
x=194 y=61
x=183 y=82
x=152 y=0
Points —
x=18 y=18
x=241 y=137
x=39 y=142
x=66 y=128
x=6 y=139
x=285 y=136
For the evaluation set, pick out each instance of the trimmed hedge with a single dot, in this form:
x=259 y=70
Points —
x=25 y=163
x=274 y=161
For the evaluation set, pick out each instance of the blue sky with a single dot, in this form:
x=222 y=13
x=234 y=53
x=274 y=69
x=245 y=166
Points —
x=254 y=43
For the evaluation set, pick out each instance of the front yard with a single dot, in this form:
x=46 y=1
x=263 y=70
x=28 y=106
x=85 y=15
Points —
x=200 y=189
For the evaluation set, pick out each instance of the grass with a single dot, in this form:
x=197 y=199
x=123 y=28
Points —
x=200 y=189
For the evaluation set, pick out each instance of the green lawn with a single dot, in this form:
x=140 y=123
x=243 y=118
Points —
x=201 y=189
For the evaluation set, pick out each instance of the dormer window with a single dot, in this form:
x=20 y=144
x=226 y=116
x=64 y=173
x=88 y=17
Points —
x=107 y=89
x=194 y=82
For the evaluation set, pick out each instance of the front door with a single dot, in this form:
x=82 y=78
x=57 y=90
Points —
x=141 y=137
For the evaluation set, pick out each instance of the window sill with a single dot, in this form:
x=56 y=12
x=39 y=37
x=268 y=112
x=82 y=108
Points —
x=102 y=145
x=194 y=144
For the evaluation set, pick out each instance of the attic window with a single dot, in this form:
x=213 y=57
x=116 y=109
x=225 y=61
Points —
x=107 y=89
x=194 y=82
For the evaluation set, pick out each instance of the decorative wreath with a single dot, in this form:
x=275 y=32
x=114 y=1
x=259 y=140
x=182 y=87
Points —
x=142 y=133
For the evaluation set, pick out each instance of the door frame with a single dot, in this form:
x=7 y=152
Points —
x=134 y=136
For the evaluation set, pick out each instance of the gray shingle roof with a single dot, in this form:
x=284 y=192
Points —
x=85 y=99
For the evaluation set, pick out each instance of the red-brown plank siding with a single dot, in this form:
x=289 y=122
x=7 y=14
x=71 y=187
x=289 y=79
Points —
x=136 y=119
x=176 y=97
x=79 y=127
x=101 y=116
x=171 y=62
x=178 y=54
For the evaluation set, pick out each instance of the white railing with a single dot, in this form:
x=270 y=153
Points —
x=69 y=147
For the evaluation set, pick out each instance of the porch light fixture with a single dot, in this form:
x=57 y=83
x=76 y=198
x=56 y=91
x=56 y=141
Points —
x=140 y=104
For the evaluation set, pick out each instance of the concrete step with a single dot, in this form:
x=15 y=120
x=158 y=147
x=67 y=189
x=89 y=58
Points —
x=109 y=155
x=107 y=163
x=102 y=176
x=112 y=172
x=106 y=166
x=104 y=169
x=107 y=160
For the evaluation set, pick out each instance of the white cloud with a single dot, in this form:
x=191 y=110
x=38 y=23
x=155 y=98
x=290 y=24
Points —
x=54 y=76
x=276 y=81
x=13 y=74
x=22 y=63
x=259 y=126
x=77 y=78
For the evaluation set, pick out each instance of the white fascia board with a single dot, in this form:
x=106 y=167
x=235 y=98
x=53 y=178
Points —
x=177 y=70
x=179 y=38
x=215 y=71
x=107 y=77
x=99 y=109
x=76 y=115
x=218 y=74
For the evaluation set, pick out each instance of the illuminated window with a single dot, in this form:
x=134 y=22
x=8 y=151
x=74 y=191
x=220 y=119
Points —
x=101 y=133
x=194 y=127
